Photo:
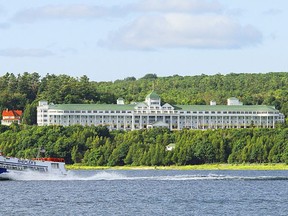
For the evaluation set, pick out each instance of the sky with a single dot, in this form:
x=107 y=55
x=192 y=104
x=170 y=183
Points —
x=108 y=40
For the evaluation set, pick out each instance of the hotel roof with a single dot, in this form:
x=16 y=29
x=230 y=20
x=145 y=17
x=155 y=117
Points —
x=116 y=107
x=154 y=95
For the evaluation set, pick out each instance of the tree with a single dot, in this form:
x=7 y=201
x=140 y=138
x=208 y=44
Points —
x=29 y=115
x=75 y=154
x=150 y=76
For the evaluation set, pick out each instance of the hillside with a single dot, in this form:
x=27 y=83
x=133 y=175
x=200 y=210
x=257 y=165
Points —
x=24 y=91
x=98 y=146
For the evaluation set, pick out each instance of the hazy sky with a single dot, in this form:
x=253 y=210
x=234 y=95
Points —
x=111 y=39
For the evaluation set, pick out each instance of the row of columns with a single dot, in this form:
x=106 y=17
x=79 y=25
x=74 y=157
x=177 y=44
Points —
x=202 y=122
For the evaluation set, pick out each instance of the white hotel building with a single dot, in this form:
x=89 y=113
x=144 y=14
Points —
x=151 y=114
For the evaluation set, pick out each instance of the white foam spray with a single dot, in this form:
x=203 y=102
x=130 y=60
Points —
x=114 y=175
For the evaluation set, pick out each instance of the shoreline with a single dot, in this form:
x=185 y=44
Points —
x=266 y=166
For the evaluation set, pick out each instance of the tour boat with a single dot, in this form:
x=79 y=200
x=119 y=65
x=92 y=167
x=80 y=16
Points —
x=43 y=165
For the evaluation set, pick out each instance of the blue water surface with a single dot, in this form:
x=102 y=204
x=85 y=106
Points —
x=147 y=192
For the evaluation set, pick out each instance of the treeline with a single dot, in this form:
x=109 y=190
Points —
x=23 y=91
x=99 y=147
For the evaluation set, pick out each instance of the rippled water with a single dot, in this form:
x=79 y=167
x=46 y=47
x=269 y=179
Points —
x=147 y=192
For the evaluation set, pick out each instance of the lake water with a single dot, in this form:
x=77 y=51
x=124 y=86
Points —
x=147 y=192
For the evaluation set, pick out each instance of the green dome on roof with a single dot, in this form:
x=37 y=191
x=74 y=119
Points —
x=153 y=95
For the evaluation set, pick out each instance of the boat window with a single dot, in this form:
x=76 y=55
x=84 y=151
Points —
x=55 y=165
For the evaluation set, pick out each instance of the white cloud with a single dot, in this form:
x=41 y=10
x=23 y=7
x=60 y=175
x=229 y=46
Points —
x=190 y=6
x=83 y=11
x=19 y=52
x=183 y=30
x=159 y=24
x=272 y=12
x=4 y=25
x=235 y=12
x=70 y=50
x=61 y=12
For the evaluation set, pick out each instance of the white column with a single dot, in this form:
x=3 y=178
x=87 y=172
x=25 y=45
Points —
x=125 y=123
x=148 y=120
x=133 y=122
x=203 y=122
x=238 y=126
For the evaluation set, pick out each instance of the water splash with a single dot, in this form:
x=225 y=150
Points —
x=71 y=176
x=112 y=176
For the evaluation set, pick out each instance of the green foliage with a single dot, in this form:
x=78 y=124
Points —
x=98 y=147
x=29 y=115
x=150 y=76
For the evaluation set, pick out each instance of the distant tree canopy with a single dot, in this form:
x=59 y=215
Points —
x=130 y=79
x=150 y=76
x=24 y=91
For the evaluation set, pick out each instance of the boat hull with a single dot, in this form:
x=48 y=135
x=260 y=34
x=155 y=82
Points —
x=3 y=170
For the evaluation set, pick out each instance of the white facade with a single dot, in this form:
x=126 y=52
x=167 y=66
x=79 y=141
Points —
x=233 y=101
x=151 y=114
x=120 y=101
x=8 y=122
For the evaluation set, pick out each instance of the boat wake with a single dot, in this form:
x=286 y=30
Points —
x=112 y=176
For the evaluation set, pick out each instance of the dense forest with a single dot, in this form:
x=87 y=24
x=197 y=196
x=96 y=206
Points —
x=98 y=146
